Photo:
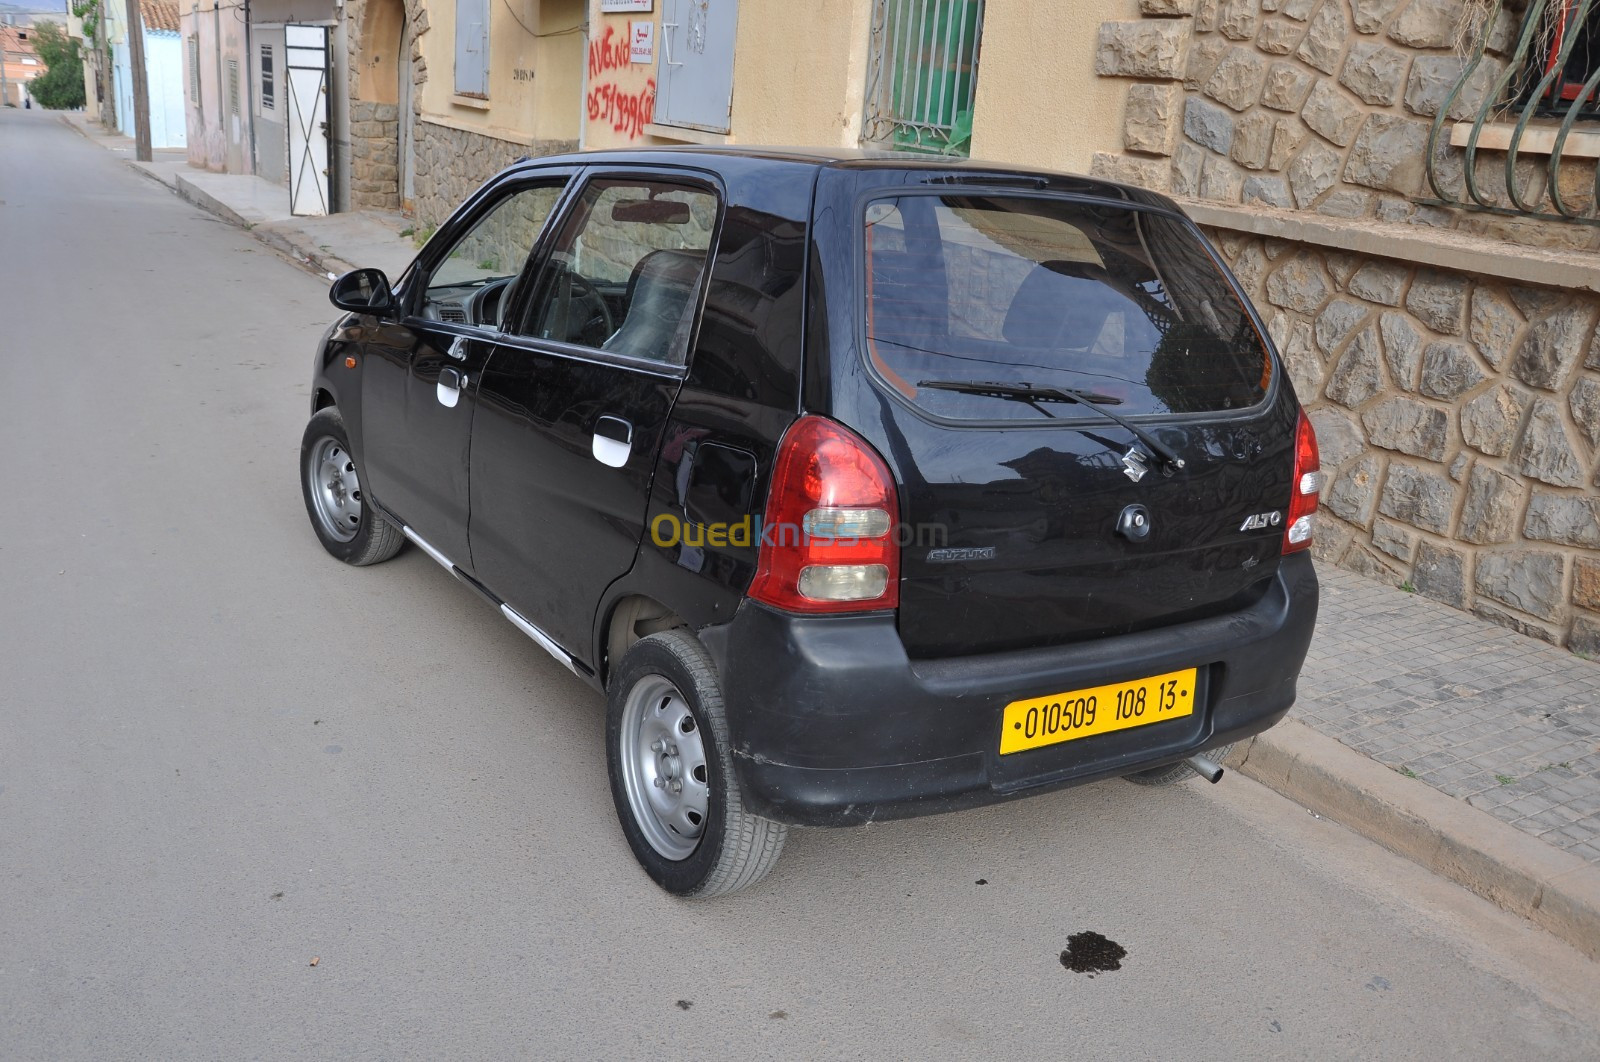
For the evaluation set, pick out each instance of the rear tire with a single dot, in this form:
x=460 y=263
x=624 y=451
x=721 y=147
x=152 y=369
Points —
x=1173 y=773
x=346 y=524
x=672 y=779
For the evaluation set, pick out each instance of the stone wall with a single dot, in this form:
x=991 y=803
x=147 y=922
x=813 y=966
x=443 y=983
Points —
x=1322 y=106
x=374 y=156
x=453 y=163
x=1459 y=421
x=1458 y=415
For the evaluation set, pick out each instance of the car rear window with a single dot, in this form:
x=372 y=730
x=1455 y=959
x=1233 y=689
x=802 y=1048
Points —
x=1037 y=293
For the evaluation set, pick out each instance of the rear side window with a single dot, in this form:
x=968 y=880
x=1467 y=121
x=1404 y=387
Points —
x=625 y=269
x=1044 y=295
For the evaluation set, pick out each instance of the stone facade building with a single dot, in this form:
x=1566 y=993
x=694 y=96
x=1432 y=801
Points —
x=1448 y=356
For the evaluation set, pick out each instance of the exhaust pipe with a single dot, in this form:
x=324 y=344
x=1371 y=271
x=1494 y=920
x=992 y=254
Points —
x=1210 y=770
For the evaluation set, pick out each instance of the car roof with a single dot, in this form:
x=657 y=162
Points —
x=744 y=156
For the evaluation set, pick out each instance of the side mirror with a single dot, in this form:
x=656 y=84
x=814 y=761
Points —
x=363 y=291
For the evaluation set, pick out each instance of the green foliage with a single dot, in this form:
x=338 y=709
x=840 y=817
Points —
x=89 y=12
x=60 y=87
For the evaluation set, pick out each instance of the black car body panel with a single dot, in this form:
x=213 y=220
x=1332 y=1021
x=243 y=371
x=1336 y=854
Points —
x=836 y=719
x=1043 y=497
x=838 y=726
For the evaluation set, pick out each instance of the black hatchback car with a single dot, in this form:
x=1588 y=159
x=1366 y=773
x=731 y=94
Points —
x=863 y=486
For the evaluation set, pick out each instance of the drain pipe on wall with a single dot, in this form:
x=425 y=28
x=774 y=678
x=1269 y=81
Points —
x=222 y=88
x=251 y=71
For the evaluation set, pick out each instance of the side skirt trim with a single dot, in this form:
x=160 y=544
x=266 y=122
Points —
x=541 y=639
x=423 y=545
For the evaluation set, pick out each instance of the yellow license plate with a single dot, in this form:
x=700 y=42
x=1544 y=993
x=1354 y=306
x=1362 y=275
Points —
x=1042 y=721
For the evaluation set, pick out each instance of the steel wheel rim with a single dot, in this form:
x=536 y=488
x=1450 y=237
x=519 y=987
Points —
x=664 y=769
x=335 y=490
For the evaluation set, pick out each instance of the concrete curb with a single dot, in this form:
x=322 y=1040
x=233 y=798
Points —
x=1521 y=873
x=281 y=237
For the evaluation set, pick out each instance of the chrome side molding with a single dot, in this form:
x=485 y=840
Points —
x=540 y=638
x=423 y=545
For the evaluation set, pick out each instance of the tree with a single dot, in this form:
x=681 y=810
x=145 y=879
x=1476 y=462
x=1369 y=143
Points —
x=60 y=87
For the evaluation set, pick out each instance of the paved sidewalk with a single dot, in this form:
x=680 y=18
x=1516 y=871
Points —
x=1445 y=720
x=1507 y=723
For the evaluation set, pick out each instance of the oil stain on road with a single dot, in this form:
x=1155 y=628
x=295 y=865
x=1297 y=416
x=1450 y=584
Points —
x=1089 y=952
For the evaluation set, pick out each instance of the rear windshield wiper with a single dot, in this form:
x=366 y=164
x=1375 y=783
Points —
x=1033 y=396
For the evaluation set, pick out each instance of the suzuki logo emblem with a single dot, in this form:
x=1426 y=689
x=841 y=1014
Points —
x=1261 y=520
x=1134 y=465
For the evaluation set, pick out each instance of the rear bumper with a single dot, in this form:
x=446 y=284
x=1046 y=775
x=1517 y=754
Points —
x=832 y=725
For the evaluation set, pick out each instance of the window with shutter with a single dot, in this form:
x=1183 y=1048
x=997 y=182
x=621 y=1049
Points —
x=194 y=72
x=268 y=89
x=472 y=48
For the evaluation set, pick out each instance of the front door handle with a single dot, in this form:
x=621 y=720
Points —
x=613 y=441
x=448 y=390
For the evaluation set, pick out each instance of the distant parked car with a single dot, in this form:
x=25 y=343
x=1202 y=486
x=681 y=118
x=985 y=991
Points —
x=864 y=487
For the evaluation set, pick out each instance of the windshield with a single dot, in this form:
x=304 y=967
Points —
x=1046 y=293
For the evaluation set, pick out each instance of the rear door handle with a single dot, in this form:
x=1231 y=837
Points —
x=451 y=383
x=613 y=441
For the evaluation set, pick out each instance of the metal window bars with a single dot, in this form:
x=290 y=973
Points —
x=922 y=74
x=1542 y=78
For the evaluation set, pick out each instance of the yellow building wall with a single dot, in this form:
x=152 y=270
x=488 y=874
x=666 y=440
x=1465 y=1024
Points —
x=620 y=95
x=535 y=66
x=800 y=72
x=1039 y=101
x=798 y=77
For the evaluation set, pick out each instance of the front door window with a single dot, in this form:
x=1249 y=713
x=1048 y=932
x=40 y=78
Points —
x=469 y=285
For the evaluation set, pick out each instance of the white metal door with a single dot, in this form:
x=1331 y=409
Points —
x=695 y=81
x=306 y=77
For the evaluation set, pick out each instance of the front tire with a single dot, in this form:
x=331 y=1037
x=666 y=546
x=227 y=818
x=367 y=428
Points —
x=667 y=751
x=346 y=524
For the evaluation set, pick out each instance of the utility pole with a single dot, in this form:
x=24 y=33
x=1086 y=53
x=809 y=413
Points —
x=102 y=68
x=141 y=88
x=5 y=90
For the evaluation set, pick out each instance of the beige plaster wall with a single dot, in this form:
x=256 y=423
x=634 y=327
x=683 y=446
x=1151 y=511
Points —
x=1039 y=102
x=620 y=95
x=798 y=78
x=535 y=68
x=800 y=72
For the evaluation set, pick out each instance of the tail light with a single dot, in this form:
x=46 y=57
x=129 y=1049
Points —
x=827 y=540
x=1307 y=485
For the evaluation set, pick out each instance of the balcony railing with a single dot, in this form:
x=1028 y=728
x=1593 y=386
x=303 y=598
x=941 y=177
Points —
x=1552 y=75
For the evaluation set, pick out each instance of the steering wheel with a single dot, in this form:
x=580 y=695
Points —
x=487 y=302
x=597 y=325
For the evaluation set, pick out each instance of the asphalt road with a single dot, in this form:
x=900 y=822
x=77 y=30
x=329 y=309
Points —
x=224 y=755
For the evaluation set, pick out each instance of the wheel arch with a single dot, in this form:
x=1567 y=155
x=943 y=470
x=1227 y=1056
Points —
x=629 y=618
